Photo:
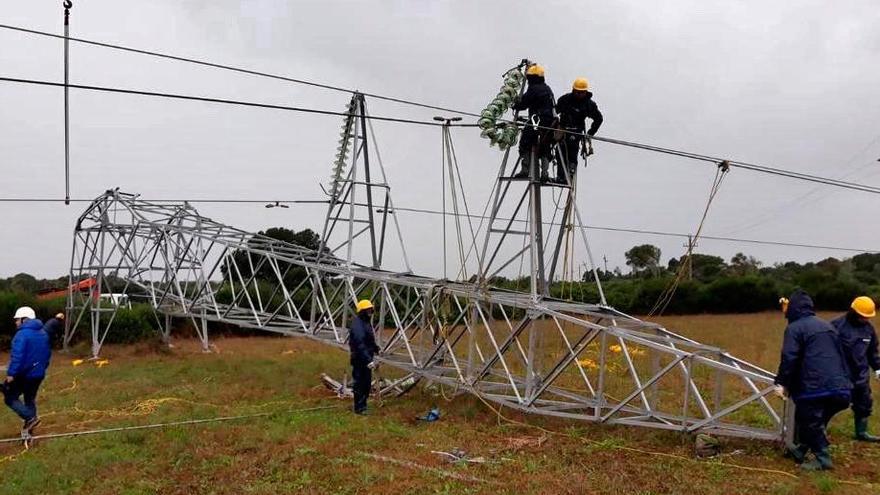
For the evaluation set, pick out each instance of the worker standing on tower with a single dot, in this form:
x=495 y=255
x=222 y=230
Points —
x=362 y=343
x=539 y=101
x=573 y=109
x=859 y=341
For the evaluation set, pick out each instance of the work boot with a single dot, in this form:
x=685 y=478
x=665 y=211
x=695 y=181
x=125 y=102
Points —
x=522 y=174
x=798 y=452
x=524 y=165
x=862 y=434
x=822 y=462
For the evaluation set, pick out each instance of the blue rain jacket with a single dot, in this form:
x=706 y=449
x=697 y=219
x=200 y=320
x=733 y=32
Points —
x=30 y=351
x=812 y=363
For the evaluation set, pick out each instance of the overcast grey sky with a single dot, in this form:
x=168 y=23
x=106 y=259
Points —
x=787 y=84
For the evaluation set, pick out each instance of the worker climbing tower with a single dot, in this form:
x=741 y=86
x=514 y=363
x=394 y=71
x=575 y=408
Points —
x=517 y=225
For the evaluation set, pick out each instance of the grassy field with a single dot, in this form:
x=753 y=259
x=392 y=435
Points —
x=333 y=451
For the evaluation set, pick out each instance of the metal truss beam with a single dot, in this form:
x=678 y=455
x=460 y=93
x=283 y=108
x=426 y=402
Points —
x=542 y=356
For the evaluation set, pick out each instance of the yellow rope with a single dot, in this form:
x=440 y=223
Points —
x=11 y=457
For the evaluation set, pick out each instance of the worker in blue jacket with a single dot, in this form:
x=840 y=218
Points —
x=362 y=343
x=859 y=341
x=28 y=362
x=813 y=372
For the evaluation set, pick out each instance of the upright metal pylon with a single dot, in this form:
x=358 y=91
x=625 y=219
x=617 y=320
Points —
x=352 y=175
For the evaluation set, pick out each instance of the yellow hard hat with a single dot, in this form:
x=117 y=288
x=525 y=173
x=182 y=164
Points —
x=364 y=304
x=864 y=306
x=535 y=70
x=581 y=84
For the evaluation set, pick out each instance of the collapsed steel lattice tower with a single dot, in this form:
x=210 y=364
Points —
x=580 y=361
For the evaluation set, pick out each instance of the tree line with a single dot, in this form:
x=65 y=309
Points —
x=711 y=284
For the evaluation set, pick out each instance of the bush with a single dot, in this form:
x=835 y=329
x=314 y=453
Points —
x=740 y=295
x=132 y=325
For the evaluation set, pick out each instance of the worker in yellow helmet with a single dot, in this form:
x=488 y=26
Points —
x=573 y=109
x=859 y=342
x=362 y=343
x=539 y=101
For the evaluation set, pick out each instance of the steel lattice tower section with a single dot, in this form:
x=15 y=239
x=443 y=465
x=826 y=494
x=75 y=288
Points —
x=527 y=351
x=354 y=174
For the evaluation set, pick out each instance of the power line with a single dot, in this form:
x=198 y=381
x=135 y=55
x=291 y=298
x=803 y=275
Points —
x=659 y=233
x=207 y=99
x=620 y=142
x=206 y=200
x=235 y=69
x=706 y=158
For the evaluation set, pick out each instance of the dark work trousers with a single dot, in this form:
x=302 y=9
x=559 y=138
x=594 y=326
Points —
x=862 y=401
x=363 y=380
x=571 y=147
x=812 y=417
x=19 y=387
x=529 y=138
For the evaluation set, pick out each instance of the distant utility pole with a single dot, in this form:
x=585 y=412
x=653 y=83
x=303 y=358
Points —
x=67 y=6
x=605 y=259
x=691 y=244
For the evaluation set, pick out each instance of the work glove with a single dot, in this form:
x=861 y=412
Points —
x=372 y=365
x=779 y=390
x=877 y=374
x=60 y=316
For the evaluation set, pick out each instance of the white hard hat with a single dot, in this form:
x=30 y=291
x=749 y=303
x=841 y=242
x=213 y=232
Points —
x=25 y=312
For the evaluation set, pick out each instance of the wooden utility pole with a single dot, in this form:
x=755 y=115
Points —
x=691 y=244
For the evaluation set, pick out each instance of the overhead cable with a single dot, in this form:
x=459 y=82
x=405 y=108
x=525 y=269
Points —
x=624 y=230
x=235 y=69
x=620 y=142
x=207 y=99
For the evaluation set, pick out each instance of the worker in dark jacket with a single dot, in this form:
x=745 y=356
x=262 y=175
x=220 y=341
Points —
x=573 y=109
x=362 y=342
x=813 y=372
x=539 y=101
x=859 y=341
x=28 y=362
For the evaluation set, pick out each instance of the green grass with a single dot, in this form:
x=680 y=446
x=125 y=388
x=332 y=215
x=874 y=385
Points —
x=323 y=451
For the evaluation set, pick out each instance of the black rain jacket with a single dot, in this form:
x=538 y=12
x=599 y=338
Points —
x=538 y=100
x=573 y=112
x=812 y=364
x=362 y=341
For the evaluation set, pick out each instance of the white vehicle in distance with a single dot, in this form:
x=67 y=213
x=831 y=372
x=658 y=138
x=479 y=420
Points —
x=116 y=299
